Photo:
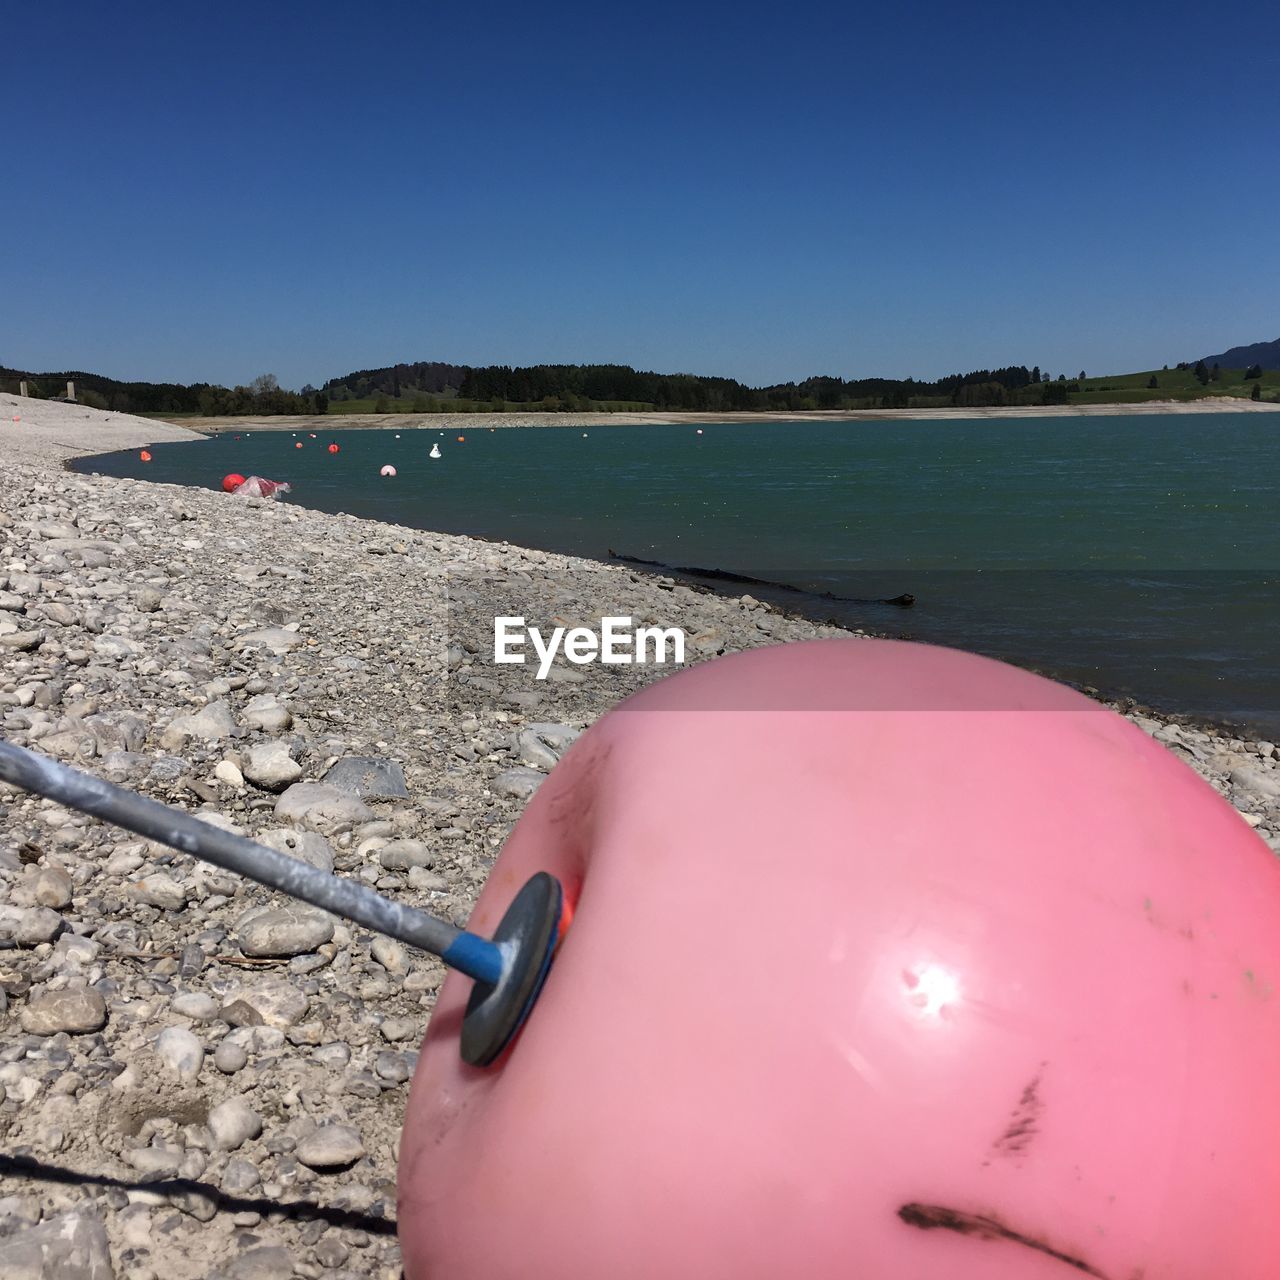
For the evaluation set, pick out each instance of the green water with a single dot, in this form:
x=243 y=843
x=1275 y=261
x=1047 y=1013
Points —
x=1137 y=554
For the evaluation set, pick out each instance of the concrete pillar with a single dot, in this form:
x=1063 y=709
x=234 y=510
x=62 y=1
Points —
x=71 y=390
x=22 y=388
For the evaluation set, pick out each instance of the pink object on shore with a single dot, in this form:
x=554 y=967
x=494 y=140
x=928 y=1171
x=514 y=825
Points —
x=888 y=962
x=257 y=487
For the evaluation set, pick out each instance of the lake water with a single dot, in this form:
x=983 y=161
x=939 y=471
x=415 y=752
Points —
x=1140 y=555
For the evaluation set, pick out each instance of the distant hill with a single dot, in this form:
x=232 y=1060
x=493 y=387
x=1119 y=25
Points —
x=1266 y=354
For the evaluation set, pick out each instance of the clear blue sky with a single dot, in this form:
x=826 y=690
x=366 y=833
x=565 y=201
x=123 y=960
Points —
x=764 y=191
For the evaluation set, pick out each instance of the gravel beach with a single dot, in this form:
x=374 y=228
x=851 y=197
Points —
x=198 y=1078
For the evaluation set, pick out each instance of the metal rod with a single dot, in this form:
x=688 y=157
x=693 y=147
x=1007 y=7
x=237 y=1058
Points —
x=467 y=952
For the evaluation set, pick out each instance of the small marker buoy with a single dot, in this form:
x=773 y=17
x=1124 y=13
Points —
x=231 y=482
x=397 y=435
x=333 y=448
x=145 y=456
x=313 y=435
x=298 y=445
x=699 y=430
x=461 y=439
x=388 y=470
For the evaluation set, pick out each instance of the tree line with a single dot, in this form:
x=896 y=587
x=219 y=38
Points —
x=429 y=386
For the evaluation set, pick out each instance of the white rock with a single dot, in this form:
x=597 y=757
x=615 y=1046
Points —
x=266 y=713
x=307 y=846
x=228 y=773
x=315 y=805
x=284 y=931
x=232 y=1123
x=77 y=1010
x=180 y=1051
x=331 y=1146
x=269 y=765
x=159 y=890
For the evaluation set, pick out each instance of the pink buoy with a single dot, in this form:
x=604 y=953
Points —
x=888 y=961
x=388 y=470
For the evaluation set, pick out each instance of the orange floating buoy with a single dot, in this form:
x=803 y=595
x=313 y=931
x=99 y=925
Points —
x=231 y=482
x=333 y=448
x=461 y=439
x=145 y=456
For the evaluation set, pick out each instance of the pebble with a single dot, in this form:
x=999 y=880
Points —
x=270 y=766
x=331 y=1146
x=389 y=954
x=77 y=1011
x=230 y=1057
x=323 y=807
x=308 y=846
x=233 y=1123
x=53 y=888
x=226 y=771
x=69 y=1246
x=284 y=931
x=159 y=890
x=369 y=778
x=180 y=1051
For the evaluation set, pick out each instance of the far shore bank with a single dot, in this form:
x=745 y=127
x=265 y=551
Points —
x=461 y=421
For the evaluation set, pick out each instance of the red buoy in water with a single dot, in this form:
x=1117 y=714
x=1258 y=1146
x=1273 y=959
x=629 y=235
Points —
x=231 y=482
x=145 y=456
x=298 y=445
x=333 y=448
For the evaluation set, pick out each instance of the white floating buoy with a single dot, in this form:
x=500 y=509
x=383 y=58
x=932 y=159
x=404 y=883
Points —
x=388 y=470
x=397 y=435
x=435 y=451
x=699 y=430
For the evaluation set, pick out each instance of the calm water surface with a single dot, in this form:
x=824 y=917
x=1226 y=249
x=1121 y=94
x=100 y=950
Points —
x=1137 y=554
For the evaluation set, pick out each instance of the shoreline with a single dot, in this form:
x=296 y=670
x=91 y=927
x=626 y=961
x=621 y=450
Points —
x=136 y=432
x=458 y=421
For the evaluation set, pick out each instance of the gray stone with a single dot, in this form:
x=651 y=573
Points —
x=198 y=1005
x=116 y=647
x=76 y=1010
x=284 y=931
x=279 y=1004
x=211 y=723
x=159 y=890
x=180 y=1051
x=72 y=1246
x=265 y=712
x=520 y=783
x=331 y=1146
x=233 y=1123
x=317 y=805
x=37 y=925
x=540 y=746
x=271 y=639
x=230 y=1057
x=1259 y=782
x=307 y=846
x=269 y=1262
x=389 y=954
x=369 y=777
x=400 y=855
x=396 y=1029
x=240 y=1176
x=270 y=766
x=21 y=641
x=392 y=1066
x=53 y=888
